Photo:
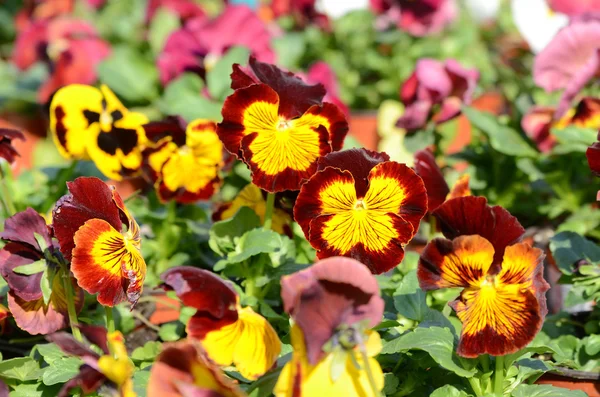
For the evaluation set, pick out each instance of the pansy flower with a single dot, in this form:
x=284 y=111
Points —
x=184 y=9
x=185 y=161
x=435 y=91
x=574 y=8
x=254 y=198
x=183 y=369
x=7 y=150
x=112 y=370
x=569 y=61
x=502 y=305
x=419 y=18
x=360 y=204
x=540 y=120
x=279 y=126
x=303 y=13
x=89 y=224
x=87 y=122
x=229 y=333
x=199 y=44
x=438 y=190
x=332 y=303
x=72 y=50
x=28 y=259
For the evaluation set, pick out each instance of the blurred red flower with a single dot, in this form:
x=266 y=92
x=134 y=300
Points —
x=419 y=18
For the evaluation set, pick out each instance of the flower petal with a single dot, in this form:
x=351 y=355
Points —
x=435 y=184
x=26 y=287
x=503 y=318
x=460 y=188
x=472 y=215
x=593 y=157
x=7 y=150
x=462 y=262
x=21 y=228
x=105 y=262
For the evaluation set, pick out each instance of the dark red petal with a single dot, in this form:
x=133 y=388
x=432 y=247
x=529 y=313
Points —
x=89 y=198
x=96 y=335
x=593 y=158
x=295 y=95
x=472 y=215
x=20 y=228
x=358 y=161
x=71 y=346
x=331 y=293
x=12 y=256
x=435 y=184
x=172 y=126
x=88 y=379
x=10 y=134
x=338 y=125
x=242 y=77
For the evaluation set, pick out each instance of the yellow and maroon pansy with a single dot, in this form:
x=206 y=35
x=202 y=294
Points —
x=300 y=378
x=29 y=242
x=183 y=369
x=113 y=369
x=252 y=197
x=361 y=205
x=186 y=161
x=438 y=190
x=229 y=333
x=502 y=307
x=327 y=298
x=279 y=125
x=89 y=224
x=91 y=123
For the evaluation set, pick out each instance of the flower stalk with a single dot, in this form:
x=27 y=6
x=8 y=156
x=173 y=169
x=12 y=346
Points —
x=110 y=322
x=499 y=376
x=6 y=196
x=269 y=211
x=73 y=323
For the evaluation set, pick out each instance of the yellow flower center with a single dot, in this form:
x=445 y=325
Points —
x=360 y=205
x=106 y=121
x=283 y=125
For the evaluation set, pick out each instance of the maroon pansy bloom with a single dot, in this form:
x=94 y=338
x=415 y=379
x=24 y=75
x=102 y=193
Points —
x=435 y=91
x=28 y=242
x=198 y=45
x=419 y=18
x=72 y=50
x=7 y=150
x=333 y=293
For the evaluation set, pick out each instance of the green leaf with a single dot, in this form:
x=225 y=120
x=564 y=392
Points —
x=21 y=369
x=171 y=332
x=225 y=235
x=502 y=138
x=438 y=342
x=46 y=284
x=573 y=139
x=32 y=268
x=592 y=345
x=148 y=352
x=130 y=75
x=525 y=390
x=163 y=23
x=260 y=241
x=410 y=299
x=390 y=384
x=34 y=390
x=183 y=96
x=41 y=242
x=61 y=370
x=50 y=352
x=448 y=391
x=140 y=382
x=218 y=78
x=568 y=248
x=290 y=48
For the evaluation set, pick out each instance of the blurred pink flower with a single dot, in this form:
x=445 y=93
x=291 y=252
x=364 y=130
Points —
x=38 y=10
x=72 y=50
x=197 y=45
x=302 y=11
x=574 y=8
x=419 y=18
x=569 y=61
x=185 y=9
x=321 y=72
x=446 y=84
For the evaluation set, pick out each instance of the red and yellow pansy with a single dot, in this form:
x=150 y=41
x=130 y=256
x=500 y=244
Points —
x=502 y=304
x=88 y=223
x=360 y=204
x=91 y=123
x=185 y=160
x=279 y=125
x=229 y=333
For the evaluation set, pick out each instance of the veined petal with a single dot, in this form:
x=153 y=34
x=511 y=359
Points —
x=72 y=118
x=107 y=263
x=428 y=170
x=250 y=343
x=463 y=262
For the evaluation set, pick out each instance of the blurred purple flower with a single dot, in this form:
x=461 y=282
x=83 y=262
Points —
x=71 y=48
x=446 y=84
x=574 y=8
x=419 y=18
x=569 y=61
x=196 y=46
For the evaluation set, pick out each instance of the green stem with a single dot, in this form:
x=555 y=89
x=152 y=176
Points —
x=110 y=322
x=251 y=287
x=499 y=376
x=68 y=286
x=269 y=211
x=7 y=200
x=485 y=362
x=475 y=386
x=365 y=358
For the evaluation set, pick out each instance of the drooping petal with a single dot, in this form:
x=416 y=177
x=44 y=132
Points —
x=7 y=151
x=22 y=227
x=250 y=343
x=472 y=215
x=331 y=293
x=13 y=255
x=462 y=262
x=107 y=263
x=504 y=314
x=435 y=184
